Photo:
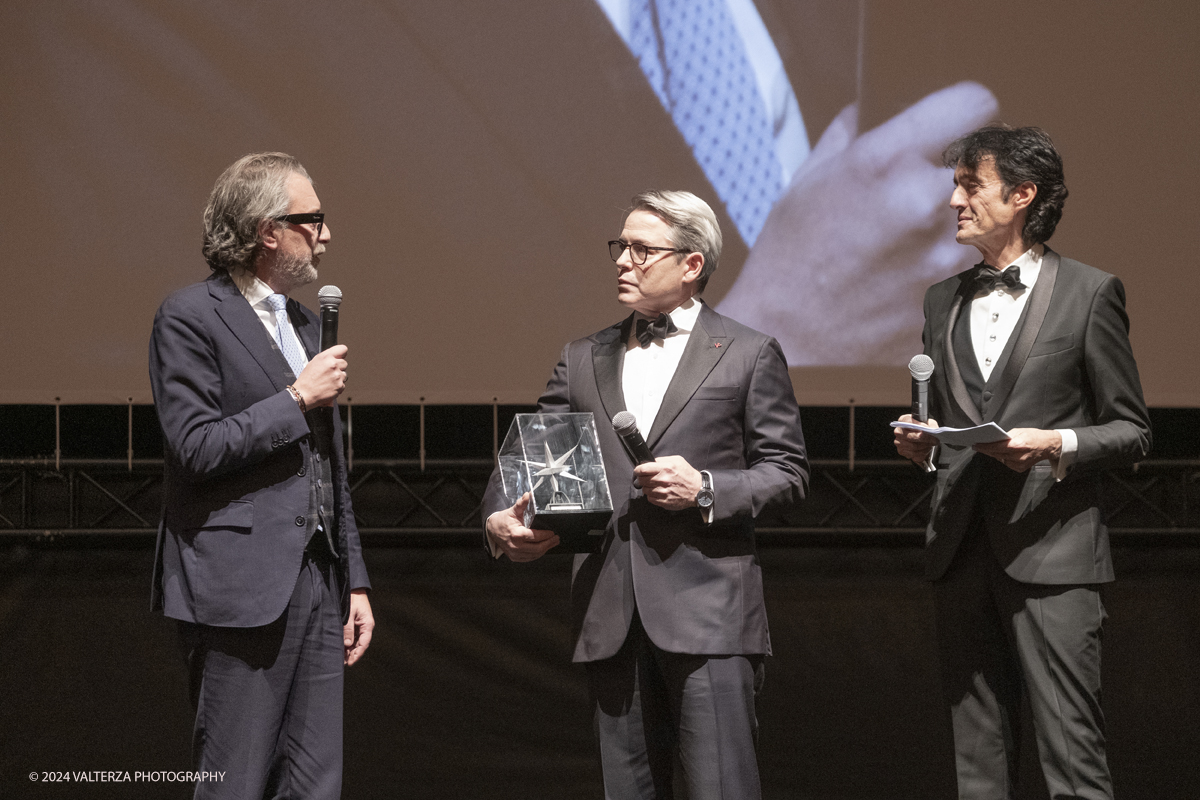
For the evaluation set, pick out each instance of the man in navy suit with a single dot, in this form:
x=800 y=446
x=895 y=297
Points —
x=1017 y=545
x=258 y=556
x=669 y=614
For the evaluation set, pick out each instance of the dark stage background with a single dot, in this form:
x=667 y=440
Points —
x=467 y=690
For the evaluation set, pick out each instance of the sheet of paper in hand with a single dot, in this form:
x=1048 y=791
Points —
x=959 y=437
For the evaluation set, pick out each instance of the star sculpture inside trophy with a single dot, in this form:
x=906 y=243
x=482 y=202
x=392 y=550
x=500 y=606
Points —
x=555 y=468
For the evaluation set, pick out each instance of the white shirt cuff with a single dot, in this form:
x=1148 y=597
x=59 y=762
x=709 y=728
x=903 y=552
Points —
x=1070 y=446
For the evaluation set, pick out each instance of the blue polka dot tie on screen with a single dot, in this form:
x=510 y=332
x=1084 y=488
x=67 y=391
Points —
x=696 y=62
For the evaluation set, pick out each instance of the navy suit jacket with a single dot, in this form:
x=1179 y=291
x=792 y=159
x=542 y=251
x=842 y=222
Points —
x=1067 y=364
x=729 y=409
x=237 y=450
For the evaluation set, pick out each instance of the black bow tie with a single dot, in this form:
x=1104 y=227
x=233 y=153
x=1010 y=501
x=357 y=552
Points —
x=988 y=278
x=647 y=331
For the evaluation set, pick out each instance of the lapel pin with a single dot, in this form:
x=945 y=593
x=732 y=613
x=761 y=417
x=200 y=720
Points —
x=716 y=344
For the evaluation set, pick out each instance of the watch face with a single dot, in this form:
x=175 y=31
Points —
x=704 y=498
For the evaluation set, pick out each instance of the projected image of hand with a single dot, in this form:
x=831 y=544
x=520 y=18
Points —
x=840 y=268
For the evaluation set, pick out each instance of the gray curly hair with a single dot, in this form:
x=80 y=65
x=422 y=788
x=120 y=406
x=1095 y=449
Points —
x=252 y=189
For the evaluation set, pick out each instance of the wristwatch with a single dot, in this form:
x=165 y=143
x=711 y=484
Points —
x=704 y=497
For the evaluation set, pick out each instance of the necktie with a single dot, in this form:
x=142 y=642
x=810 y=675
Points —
x=696 y=62
x=283 y=335
x=647 y=331
x=988 y=278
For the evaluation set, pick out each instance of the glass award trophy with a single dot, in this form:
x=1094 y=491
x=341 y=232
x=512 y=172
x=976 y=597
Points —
x=556 y=457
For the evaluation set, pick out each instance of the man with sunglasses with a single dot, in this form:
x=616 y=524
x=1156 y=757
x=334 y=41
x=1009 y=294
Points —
x=258 y=556
x=668 y=613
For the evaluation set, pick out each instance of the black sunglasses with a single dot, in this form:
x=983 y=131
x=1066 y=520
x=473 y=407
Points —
x=316 y=218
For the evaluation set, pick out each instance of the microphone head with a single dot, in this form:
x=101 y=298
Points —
x=329 y=297
x=624 y=423
x=921 y=367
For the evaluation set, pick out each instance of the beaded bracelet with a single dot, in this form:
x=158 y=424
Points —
x=299 y=400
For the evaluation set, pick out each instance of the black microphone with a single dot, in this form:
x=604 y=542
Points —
x=625 y=426
x=330 y=297
x=921 y=368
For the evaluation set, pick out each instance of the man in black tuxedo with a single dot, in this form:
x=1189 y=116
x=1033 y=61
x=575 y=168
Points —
x=1017 y=545
x=258 y=554
x=669 y=614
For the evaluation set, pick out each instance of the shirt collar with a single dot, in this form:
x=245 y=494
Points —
x=686 y=315
x=254 y=289
x=1030 y=263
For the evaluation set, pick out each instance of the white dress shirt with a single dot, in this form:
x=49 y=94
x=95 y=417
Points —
x=994 y=316
x=648 y=371
x=256 y=293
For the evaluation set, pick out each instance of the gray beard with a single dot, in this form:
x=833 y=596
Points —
x=295 y=271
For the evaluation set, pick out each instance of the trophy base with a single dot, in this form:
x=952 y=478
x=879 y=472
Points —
x=579 y=531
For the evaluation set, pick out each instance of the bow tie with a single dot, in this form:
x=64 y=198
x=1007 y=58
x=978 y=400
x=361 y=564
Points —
x=988 y=278
x=647 y=331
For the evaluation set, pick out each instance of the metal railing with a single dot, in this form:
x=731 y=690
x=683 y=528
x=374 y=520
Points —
x=432 y=501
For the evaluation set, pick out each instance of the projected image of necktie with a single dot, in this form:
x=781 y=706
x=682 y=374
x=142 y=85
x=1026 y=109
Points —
x=697 y=64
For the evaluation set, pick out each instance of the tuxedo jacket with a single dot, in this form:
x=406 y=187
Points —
x=238 y=462
x=729 y=409
x=1067 y=364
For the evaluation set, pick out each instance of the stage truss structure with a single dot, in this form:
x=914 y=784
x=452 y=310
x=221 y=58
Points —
x=430 y=502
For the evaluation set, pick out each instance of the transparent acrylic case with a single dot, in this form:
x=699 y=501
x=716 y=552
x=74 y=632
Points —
x=557 y=458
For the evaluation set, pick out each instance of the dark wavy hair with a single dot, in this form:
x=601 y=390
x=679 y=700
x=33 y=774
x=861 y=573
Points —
x=1020 y=155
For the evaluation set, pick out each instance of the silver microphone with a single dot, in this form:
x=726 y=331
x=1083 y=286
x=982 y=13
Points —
x=921 y=369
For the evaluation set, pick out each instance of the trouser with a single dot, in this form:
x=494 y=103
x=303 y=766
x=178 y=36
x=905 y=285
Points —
x=652 y=707
x=999 y=638
x=268 y=700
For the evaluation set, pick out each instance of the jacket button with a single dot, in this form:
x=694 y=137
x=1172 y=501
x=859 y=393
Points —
x=300 y=522
x=987 y=395
x=301 y=472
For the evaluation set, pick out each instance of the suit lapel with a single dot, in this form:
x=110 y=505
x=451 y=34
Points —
x=608 y=358
x=1035 y=315
x=308 y=333
x=706 y=345
x=237 y=314
x=958 y=387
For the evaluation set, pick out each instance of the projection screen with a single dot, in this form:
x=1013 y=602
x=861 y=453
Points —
x=473 y=158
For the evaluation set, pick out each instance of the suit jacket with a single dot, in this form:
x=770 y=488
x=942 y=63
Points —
x=236 y=489
x=1067 y=364
x=729 y=409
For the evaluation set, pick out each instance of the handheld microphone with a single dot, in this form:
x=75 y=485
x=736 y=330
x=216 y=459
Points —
x=625 y=426
x=330 y=297
x=921 y=369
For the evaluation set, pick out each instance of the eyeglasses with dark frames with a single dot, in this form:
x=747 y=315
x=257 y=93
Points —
x=638 y=253
x=316 y=218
